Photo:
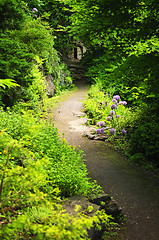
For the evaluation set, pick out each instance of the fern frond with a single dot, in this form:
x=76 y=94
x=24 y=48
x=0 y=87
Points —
x=8 y=83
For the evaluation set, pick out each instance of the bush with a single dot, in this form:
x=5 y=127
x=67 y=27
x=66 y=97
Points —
x=15 y=60
x=144 y=140
x=65 y=167
x=103 y=107
x=140 y=126
x=46 y=222
x=36 y=170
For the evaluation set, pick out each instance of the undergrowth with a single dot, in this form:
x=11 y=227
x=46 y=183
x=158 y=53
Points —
x=131 y=129
x=37 y=170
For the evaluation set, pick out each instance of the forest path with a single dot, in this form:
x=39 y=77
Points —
x=133 y=189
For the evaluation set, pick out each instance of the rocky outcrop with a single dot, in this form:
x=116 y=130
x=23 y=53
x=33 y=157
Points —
x=107 y=203
x=103 y=201
x=50 y=85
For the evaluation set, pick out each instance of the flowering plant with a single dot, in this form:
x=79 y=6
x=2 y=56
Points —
x=112 y=119
x=34 y=11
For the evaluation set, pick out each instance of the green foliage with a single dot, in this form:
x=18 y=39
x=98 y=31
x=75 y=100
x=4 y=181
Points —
x=27 y=42
x=33 y=97
x=12 y=14
x=15 y=60
x=122 y=56
x=143 y=143
x=144 y=140
x=141 y=124
x=36 y=36
x=35 y=168
x=57 y=15
x=65 y=168
x=98 y=106
x=122 y=50
x=45 y=222
x=134 y=77
x=8 y=83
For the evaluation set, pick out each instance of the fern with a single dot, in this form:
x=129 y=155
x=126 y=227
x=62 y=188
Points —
x=39 y=214
x=8 y=83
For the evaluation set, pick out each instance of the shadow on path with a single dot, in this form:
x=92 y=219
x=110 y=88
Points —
x=135 y=191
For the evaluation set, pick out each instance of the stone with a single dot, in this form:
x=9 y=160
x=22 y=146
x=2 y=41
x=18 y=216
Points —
x=50 y=85
x=101 y=137
x=69 y=206
x=102 y=201
x=105 y=202
x=80 y=114
x=71 y=202
x=90 y=136
x=111 y=208
x=101 y=198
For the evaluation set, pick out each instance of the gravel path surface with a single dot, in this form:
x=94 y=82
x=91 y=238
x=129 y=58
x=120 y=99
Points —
x=133 y=189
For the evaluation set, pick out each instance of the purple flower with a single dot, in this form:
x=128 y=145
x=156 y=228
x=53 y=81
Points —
x=118 y=116
x=121 y=102
x=98 y=123
x=34 y=10
x=111 y=113
x=117 y=97
x=107 y=128
x=109 y=118
x=34 y=15
x=102 y=129
x=124 y=103
x=98 y=131
x=124 y=132
x=115 y=101
x=112 y=131
x=113 y=106
x=101 y=124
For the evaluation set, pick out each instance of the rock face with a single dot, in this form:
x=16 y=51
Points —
x=102 y=201
x=71 y=202
x=105 y=202
x=50 y=85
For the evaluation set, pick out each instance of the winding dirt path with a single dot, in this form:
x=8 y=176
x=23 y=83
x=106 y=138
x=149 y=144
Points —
x=135 y=191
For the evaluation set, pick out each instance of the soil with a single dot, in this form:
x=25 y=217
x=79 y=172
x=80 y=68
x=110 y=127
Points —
x=135 y=191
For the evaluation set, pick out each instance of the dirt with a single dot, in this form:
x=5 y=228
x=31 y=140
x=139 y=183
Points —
x=135 y=191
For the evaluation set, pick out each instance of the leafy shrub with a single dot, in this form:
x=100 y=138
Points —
x=34 y=96
x=35 y=168
x=12 y=14
x=66 y=169
x=144 y=140
x=140 y=126
x=15 y=60
x=20 y=51
x=134 y=77
x=102 y=107
x=45 y=222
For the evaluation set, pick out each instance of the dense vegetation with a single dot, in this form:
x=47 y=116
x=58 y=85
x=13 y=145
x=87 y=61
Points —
x=123 y=59
x=37 y=169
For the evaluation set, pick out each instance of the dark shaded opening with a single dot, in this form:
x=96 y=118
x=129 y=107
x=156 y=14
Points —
x=75 y=53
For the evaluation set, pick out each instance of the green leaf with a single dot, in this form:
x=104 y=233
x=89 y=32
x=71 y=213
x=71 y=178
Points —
x=8 y=83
